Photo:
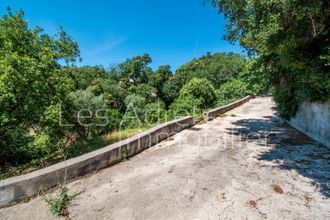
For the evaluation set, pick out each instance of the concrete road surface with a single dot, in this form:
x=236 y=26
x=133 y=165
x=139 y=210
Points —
x=247 y=164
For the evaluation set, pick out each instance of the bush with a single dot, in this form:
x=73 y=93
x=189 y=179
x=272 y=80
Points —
x=41 y=145
x=154 y=112
x=89 y=113
x=231 y=91
x=286 y=99
x=135 y=109
x=171 y=91
x=13 y=146
x=202 y=90
x=114 y=118
x=146 y=91
x=256 y=77
x=184 y=106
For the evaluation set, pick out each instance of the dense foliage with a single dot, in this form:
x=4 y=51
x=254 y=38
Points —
x=200 y=89
x=216 y=68
x=32 y=84
x=48 y=105
x=291 y=40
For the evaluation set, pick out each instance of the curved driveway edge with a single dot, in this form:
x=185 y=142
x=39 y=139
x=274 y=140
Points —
x=210 y=115
x=247 y=164
x=24 y=186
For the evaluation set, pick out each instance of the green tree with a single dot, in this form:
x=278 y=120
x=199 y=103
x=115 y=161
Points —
x=135 y=110
x=218 y=68
x=200 y=89
x=291 y=39
x=112 y=92
x=135 y=70
x=31 y=81
x=154 y=112
x=86 y=75
x=171 y=90
x=159 y=78
x=89 y=114
x=184 y=106
x=232 y=91
x=146 y=91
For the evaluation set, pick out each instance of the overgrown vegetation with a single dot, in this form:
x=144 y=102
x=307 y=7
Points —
x=48 y=103
x=291 y=42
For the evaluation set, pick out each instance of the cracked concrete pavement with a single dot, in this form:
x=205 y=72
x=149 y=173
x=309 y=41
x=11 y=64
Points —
x=247 y=164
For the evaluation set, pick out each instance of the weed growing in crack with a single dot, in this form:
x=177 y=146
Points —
x=124 y=155
x=59 y=204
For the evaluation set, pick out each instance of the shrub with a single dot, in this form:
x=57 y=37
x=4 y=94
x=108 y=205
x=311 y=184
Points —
x=14 y=146
x=231 y=91
x=184 y=106
x=89 y=113
x=41 y=145
x=154 y=112
x=114 y=118
x=146 y=91
x=171 y=91
x=200 y=89
x=286 y=99
x=135 y=109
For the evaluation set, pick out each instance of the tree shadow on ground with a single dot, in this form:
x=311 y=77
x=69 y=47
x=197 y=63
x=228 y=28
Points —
x=290 y=149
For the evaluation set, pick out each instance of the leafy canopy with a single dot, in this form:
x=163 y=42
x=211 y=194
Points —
x=291 y=39
x=200 y=89
x=32 y=80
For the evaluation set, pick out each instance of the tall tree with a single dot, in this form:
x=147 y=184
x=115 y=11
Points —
x=32 y=81
x=291 y=38
x=135 y=70
x=159 y=77
x=218 y=68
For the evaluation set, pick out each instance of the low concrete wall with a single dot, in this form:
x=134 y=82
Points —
x=313 y=119
x=21 y=187
x=210 y=115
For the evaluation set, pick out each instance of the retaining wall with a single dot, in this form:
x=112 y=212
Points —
x=313 y=119
x=210 y=115
x=24 y=186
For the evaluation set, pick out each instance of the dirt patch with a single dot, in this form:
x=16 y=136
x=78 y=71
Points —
x=296 y=138
x=307 y=200
x=66 y=214
x=277 y=189
x=252 y=203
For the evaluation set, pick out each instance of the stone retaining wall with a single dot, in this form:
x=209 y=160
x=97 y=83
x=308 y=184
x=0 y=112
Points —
x=24 y=186
x=210 y=115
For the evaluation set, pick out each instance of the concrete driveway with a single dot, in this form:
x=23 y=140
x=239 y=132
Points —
x=247 y=164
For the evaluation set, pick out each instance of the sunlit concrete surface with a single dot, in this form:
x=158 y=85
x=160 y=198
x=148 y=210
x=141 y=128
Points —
x=247 y=164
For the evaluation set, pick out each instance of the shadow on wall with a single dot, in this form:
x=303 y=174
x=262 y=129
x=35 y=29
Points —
x=292 y=150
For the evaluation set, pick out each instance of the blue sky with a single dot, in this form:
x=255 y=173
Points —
x=108 y=32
